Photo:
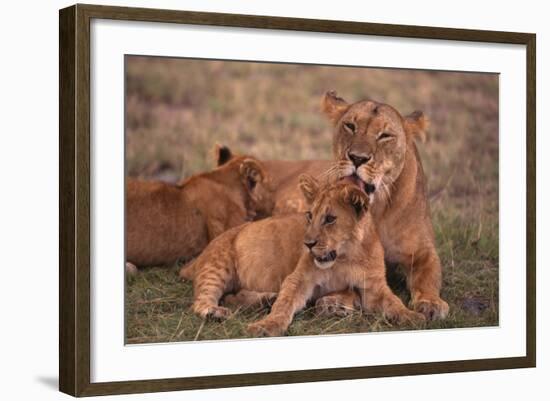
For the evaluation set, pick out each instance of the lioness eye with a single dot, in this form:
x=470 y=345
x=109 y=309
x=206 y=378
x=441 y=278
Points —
x=350 y=127
x=329 y=219
x=308 y=217
x=384 y=135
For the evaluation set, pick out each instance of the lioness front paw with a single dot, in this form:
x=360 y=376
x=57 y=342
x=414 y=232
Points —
x=404 y=316
x=410 y=316
x=431 y=308
x=266 y=328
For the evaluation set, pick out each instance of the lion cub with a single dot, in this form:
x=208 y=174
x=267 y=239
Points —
x=165 y=222
x=334 y=249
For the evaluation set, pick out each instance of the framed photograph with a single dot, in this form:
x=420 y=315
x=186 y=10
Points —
x=250 y=200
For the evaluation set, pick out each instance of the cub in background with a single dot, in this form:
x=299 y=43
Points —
x=166 y=222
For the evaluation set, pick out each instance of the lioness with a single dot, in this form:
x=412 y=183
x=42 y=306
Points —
x=374 y=146
x=165 y=222
x=256 y=260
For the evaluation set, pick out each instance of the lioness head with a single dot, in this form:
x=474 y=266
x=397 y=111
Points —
x=370 y=140
x=333 y=220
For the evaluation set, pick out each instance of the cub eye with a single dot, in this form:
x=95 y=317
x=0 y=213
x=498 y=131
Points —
x=384 y=135
x=308 y=217
x=350 y=127
x=330 y=219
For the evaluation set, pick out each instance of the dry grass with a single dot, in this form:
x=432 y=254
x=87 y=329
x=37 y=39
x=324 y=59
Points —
x=177 y=110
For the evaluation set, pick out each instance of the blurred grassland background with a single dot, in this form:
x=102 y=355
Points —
x=177 y=109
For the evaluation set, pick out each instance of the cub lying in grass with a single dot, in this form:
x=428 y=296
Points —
x=165 y=222
x=257 y=260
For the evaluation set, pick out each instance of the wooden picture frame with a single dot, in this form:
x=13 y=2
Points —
x=74 y=203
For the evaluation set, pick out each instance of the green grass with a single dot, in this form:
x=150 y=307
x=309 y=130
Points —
x=178 y=109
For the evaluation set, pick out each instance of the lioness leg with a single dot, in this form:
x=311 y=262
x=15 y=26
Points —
x=340 y=303
x=250 y=298
x=424 y=281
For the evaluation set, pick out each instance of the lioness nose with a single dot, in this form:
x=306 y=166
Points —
x=310 y=244
x=358 y=160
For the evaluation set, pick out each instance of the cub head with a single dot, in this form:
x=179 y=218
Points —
x=257 y=185
x=222 y=154
x=370 y=140
x=254 y=178
x=335 y=219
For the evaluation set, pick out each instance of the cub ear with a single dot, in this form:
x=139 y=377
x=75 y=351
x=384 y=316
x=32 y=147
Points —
x=222 y=154
x=333 y=106
x=358 y=199
x=309 y=186
x=416 y=125
x=252 y=172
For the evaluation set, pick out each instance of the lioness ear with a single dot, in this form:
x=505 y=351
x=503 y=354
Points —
x=416 y=125
x=309 y=186
x=356 y=198
x=333 y=106
x=222 y=154
x=252 y=172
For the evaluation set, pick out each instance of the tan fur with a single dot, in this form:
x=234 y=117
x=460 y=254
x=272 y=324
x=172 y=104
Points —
x=383 y=140
x=284 y=175
x=259 y=259
x=166 y=222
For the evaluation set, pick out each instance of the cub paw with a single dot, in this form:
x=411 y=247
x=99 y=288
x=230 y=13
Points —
x=232 y=299
x=213 y=312
x=332 y=306
x=266 y=328
x=264 y=299
x=431 y=308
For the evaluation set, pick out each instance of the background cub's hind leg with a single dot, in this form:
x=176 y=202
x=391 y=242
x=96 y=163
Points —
x=340 y=303
x=131 y=269
x=250 y=298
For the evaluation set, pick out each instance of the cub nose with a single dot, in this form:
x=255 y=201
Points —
x=358 y=160
x=310 y=244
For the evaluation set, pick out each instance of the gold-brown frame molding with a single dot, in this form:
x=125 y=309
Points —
x=74 y=199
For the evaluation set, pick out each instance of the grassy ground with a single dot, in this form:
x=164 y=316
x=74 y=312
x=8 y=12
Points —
x=178 y=109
